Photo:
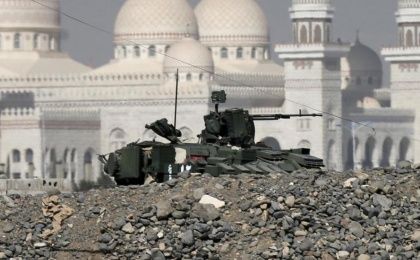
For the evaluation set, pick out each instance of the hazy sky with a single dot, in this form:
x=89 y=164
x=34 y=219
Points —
x=374 y=18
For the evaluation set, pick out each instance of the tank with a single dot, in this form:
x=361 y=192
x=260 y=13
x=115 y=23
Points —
x=226 y=146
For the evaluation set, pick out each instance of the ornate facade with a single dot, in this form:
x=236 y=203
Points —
x=57 y=114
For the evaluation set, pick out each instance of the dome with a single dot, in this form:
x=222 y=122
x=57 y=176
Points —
x=235 y=22
x=188 y=55
x=26 y=14
x=154 y=21
x=363 y=58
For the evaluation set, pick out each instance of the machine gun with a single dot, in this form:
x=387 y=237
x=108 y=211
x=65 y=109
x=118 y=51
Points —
x=235 y=126
x=164 y=129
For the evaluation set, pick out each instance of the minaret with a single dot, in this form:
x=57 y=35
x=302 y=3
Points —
x=312 y=79
x=312 y=21
x=405 y=72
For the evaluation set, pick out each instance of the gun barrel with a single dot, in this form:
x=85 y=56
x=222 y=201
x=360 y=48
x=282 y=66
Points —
x=281 y=116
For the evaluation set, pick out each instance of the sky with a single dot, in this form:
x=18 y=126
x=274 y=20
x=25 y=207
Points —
x=375 y=19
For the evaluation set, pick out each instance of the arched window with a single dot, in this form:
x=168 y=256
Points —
x=271 y=142
x=117 y=139
x=137 y=51
x=73 y=164
x=369 y=150
x=189 y=77
x=303 y=34
x=386 y=153
x=123 y=52
x=404 y=147
x=304 y=144
x=239 y=53
x=53 y=44
x=224 y=53
x=53 y=164
x=66 y=163
x=152 y=51
x=15 y=156
x=254 y=52
x=36 y=41
x=88 y=165
x=304 y=123
x=16 y=41
x=29 y=156
x=186 y=134
x=409 y=40
x=317 y=34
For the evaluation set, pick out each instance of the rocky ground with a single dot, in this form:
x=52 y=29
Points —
x=304 y=215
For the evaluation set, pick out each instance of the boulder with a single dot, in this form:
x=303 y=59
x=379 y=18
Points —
x=163 y=209
x=206 y=199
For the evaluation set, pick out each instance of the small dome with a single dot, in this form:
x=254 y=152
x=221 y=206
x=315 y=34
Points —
x=363 y=58
x=154 y=22
x=188 y=55
x=26 y=14
x=235 y=22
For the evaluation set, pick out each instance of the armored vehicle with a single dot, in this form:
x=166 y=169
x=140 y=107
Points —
x=226 y=146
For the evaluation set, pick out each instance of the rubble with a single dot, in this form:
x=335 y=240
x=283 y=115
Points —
x=303 y=215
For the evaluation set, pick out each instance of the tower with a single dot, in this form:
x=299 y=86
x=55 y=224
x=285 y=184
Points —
x=312 y=79
x=405 y=72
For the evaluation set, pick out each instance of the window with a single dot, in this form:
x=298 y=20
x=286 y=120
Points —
x=318 y=34
x=189 y=77
x=224 y=53
x=53 y=44
x=239 y=53
x=1 y=42
x=16 y=156
x=409 y=41
x=152 y=51
x=370 y=81
x=304 y=123
x=117 y=139
x=303 y=34
x=29 y=156
x=254 y=53
x=200 y=77
x=137 y=51
x=16 y=175
x=123 y=52
x=36 y=41
x=16 y=41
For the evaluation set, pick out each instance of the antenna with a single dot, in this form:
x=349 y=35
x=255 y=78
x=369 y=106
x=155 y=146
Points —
x=176 y=96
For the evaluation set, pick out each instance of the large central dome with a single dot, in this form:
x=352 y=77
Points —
x=26 y=14
x=237 y=22
x=154 y=22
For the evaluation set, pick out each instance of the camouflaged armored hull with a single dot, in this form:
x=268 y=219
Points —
x=226 y=146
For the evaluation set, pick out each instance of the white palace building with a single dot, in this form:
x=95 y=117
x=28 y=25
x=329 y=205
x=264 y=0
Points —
x=57 y=114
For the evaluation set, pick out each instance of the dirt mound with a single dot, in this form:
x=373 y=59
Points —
x=311 y=214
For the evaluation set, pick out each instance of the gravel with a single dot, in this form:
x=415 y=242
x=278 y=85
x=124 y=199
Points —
x=308 y=214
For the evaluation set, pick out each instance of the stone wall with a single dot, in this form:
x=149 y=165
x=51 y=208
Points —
x=33 y=186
